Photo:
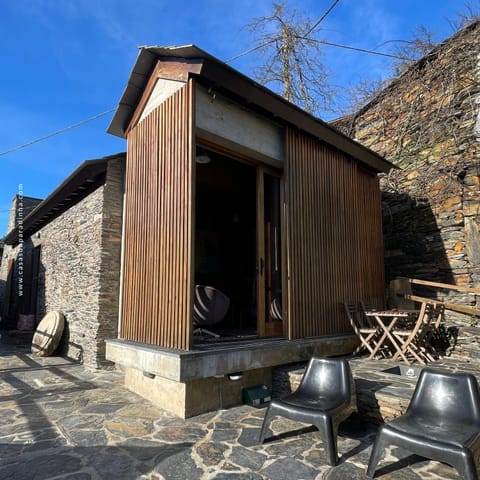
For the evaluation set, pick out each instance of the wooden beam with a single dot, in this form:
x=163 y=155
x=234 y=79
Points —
x=446 y=286
x=449 y=306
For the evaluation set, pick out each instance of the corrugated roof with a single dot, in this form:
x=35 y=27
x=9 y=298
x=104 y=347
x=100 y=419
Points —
x=232 y=83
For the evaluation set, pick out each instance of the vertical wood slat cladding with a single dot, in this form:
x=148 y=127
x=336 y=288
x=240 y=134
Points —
x=157 y=278
x=335 y=243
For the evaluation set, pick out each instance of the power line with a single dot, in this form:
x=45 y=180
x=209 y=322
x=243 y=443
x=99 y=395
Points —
x=357 y=49
x=337 y=45
x=258 y=47
x=322 y=18
x=251 y=50
x=323 y=42
x=246 y=52
x=58 y=132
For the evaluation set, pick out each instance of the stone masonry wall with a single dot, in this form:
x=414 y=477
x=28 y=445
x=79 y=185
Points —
x=21 y=206
x=80 y=269
x=108 y=298
x=69 y=279
x=427 y=122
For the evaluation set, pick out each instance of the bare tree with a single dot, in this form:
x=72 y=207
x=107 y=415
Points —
x=421 y=44
x=470 y=14
x=409 y=51
x=362 y=93
x=406 y=53
x=291 y=58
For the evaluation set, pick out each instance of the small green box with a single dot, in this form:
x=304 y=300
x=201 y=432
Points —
x=256 y=396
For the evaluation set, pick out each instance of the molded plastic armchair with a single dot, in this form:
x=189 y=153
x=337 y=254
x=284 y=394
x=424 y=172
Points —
x=325 y=397
x=441 y=423
x=209 y=308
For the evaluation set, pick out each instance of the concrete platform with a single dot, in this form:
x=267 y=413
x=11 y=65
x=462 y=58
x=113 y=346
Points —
x=189 y=383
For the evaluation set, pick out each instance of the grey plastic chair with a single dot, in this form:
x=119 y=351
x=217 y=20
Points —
x=442 y=422
x=325 y=397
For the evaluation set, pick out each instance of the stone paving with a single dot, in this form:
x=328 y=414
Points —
x=59 y=420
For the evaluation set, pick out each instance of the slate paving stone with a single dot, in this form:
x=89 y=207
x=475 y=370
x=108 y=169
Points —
x=184 y=433
x=85 y=438
x=235 y=414
x=45 y=445
x=293 y=448
x=147 y=412
x=125 y=428
x=224 y=435
x=345 y=471
x=175 y=463
x=79 y=424
x=118 y=467
x=236 y=476
x=253 y=421
x=210 y=453
x=13 y=429
x=101 y=408
x=217 y=425
x=141 y=449
x=249 y=437
x=245 y=458
x=288 y=469
x=403 y=474
x=230 y=467
x=7 y=415
x=41 y=467
x=78 y=476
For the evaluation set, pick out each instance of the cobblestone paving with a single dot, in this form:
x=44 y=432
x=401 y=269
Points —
x=61 y=421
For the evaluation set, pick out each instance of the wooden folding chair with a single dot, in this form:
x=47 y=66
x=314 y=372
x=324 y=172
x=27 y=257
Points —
x=436 y=340
x=437 y=312
x=363 y=328
x=412 y=337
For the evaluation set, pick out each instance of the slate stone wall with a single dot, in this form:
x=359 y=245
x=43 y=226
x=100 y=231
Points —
x=108 y=297
x=79 y=272
x=21 y=206
x=427 y=122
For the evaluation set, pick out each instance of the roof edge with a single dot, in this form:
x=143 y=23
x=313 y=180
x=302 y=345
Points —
x=43 y=213
x=224 y=77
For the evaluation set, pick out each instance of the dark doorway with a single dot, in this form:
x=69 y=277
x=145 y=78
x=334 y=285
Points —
x=225 y=237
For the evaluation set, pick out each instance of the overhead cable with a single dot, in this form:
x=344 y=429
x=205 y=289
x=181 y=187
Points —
x=58 y=132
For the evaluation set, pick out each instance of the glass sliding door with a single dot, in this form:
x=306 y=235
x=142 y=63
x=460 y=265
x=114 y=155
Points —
x=269 y=254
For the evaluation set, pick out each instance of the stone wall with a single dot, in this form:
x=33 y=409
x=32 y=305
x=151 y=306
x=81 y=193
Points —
x=69 y=279
x=79 y=271
x=21 y=206
x=427 y=122
x=108 y=297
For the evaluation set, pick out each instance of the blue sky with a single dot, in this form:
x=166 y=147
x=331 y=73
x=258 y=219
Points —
x=67 y=60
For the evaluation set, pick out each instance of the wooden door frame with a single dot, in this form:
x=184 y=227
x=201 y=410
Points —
x=261 y=169
x=262 y=330
x=260 y=260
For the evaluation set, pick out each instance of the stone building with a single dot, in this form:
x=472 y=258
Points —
x=427 y=122
x=20 y=208
x=63 y=253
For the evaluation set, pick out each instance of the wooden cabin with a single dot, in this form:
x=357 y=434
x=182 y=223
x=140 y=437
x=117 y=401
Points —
x=229 y=185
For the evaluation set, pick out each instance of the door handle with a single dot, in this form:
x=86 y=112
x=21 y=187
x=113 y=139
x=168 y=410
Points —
x=261 y=266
